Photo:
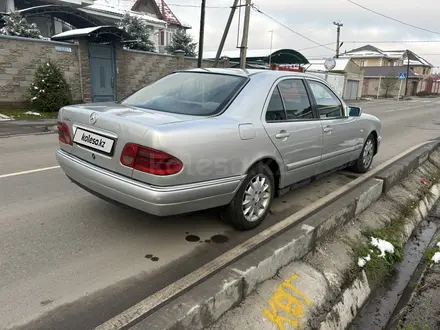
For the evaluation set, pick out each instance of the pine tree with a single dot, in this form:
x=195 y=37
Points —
x=183 y=41
x=50 y=90
x=139 y=31
x=17 y=25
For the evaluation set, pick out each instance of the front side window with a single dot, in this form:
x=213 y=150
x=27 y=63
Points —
x=328 y=104
x=188 y=93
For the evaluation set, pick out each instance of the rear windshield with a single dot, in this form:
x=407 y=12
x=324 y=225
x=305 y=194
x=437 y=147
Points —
x=189 y=93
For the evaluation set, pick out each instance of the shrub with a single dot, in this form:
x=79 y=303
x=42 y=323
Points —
x=17 y=25
x=183 y=41
x=50 y=90
x=140 y=33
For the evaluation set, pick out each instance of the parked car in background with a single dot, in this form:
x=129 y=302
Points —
x=205 y=138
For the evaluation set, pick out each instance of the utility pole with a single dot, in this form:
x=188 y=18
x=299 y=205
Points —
x=201 y=34
x=270 y=55
x=407 y=73
x=244 y=41
x=338 y=32
x=225 y=32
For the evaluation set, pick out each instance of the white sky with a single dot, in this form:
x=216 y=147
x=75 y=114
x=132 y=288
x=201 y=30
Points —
x=314 y=19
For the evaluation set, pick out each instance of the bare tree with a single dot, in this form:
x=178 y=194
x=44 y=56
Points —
x=389 y=84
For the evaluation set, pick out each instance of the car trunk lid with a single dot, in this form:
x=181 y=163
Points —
x=101 y=130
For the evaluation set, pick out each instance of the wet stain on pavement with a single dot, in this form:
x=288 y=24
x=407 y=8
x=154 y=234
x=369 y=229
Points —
x=192 y=238
x=46 y=302
x=219 y=239
x=152 y=257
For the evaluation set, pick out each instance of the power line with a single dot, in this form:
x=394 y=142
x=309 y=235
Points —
x=391 y=41
x=196 y=6
x=394 y=19
x=313 y=47
x=285 y=26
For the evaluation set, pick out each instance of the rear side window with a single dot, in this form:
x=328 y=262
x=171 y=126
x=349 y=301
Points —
x=296 y=100
x=275 y=109
x=289 y=102
x=189 y=93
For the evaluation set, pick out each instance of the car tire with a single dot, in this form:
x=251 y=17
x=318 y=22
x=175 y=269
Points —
x=363 y=163
x=239 y=211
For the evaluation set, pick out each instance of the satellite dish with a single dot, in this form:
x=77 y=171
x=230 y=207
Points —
x=330 y=64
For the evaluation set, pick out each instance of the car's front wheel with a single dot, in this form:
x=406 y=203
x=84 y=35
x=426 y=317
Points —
x=253 y=200
x=365 y=159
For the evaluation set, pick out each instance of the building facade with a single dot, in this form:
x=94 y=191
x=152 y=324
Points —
x=382 y=63
x=56 y=16
x=346 y=77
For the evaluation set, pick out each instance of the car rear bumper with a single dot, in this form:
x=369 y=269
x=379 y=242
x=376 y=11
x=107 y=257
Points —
x=160 y=201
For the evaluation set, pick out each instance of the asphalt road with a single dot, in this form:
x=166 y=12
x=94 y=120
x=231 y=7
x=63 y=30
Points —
x=71 y=261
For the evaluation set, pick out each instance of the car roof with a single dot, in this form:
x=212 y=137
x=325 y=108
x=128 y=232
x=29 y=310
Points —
x=254 y=72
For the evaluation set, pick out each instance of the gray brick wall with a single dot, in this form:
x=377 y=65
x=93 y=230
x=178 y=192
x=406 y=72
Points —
x=137 y=69
x=20 y=57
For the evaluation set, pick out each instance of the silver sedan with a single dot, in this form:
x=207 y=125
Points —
x=205 y=138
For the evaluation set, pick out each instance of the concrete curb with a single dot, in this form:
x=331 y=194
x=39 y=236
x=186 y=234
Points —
x=205 y=303
x=356 y=295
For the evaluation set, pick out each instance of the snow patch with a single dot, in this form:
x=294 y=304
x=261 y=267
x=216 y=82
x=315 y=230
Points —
x=227 y=285
x=382 y=245
x=436 y=258
x=4 y=117
x=32 y=113
x=438 y=244
x=363 y=261
x=193 y=309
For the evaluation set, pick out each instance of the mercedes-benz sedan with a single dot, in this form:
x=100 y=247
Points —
x=205 y=138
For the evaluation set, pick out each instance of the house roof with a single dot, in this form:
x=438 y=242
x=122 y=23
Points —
x=104 y=7
x=318 y=65
x=373 y=52
x=118 y=6
x=383 y=71
x=87 y=32
x=279 y=56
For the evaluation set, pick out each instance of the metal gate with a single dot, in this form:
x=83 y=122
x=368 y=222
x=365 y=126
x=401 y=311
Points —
x=102 y=72
x=351 y=91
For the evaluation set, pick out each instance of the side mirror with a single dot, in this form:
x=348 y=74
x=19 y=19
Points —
x=354 y=111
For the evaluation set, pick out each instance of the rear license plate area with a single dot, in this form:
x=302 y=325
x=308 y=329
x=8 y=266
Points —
x=94 y=141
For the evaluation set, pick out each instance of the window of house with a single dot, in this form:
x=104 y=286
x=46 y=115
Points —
x=328 y=103
x=162 y=38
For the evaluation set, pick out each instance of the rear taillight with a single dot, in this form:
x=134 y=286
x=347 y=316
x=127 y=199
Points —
x=149 y=160
x=64 y=133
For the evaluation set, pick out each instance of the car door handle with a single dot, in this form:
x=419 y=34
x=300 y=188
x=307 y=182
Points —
x=282 y=135
x=328 y=129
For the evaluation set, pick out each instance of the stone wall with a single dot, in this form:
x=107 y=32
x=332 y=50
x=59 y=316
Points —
x=20 y=57
x=136 y=69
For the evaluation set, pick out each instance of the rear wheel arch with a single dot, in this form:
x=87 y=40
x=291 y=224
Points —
x=374 y=133
x=273 y=166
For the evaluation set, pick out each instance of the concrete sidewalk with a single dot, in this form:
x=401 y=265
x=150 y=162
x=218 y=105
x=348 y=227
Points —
x=21 y=127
